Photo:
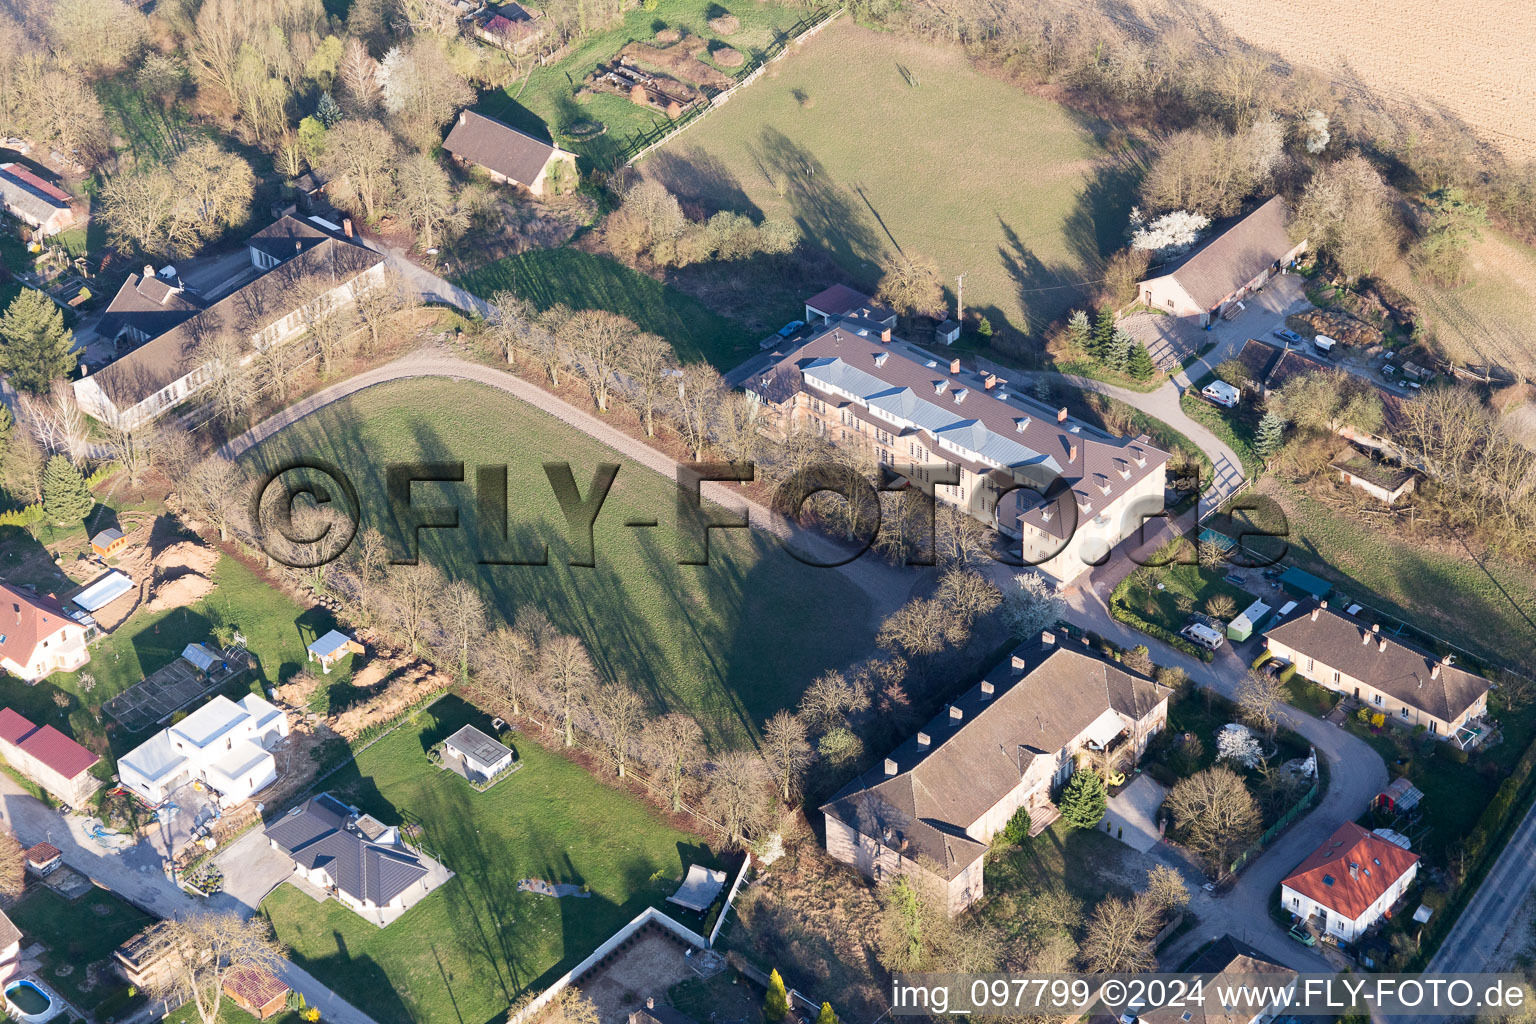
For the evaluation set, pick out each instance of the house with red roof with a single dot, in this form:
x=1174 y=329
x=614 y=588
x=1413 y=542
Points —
x=37 y=636
x=48 y=757
x=37 y=203
x=1349 y=883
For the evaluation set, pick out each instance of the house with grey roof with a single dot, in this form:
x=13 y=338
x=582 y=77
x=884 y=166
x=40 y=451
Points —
x=1386 y=674
x=33 y=200
x=307 y=268
x=339 y=852
x=508 y=155
x=476 y=756
x=1010 y=742
x=1065 y=491
x=1227 y=268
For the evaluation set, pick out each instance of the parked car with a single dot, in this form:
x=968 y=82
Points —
x=1205 y=636
x=1287 y=335
x=1219 y=392
x=791 y=328
x=1301 y=935
x=1237 y=579
x=1323 y=343
x=1272 y=667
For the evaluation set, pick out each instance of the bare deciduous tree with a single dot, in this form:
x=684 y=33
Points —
x=830 y=699
x=786 y=751
x=736 y=794
x=619 y=713
x=1214 y=814
x=700 y=392
x=460 y=613
x=369 y=559
x=1262 y=697
x=508 y=676
x=569 y=676
x=360 y=157
x=213 y=491
x=596 y=340
x=649 y=365
x=1119 y=936
x=203 y=949
x=673 y=745
x=412 y=591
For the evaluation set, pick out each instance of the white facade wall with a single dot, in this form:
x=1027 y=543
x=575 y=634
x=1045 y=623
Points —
x=91 y=398
x=1334 y=923
x=62 y=651
x=1097 y=533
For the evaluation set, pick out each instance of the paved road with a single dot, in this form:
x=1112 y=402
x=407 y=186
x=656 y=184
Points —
x=1473 y=944
x=138 y=876
x=1356 y=775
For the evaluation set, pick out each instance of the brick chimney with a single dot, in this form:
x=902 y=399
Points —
x=890 y=767
x=1434 y=671
x=954 y=365
x=987 y=690
x=1048 y=638
x=1061 y=415
x=924 y=741
x=885 y=335
x=346 y=226
x=955 y=715
x=1382 y=647
x=1365 y=638
x=1072 y=451
x=991 y=381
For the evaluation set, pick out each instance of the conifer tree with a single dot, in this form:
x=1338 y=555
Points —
x=35 y=346
x=1079 y=330
x=826 y=1016
x=1084 y=801
x=776 y=1005
x=66 y=499
x=1103 y=335
x=1270 y=435
x=1139 y=363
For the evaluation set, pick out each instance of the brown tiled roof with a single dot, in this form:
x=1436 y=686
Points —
x=1237 y=255
x=254 y=987
x=840 y=300
x=42 y=853
x=974 y=761
x=9 y=933
x=165 y=359
x=1325 y=877
x=489 y=143
x=1400 y=670
x=1225 y=960
x=1085 y=460
x=26 y=620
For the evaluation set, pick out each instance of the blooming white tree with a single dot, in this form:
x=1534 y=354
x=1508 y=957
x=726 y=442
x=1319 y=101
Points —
x=1235 y=743
x=1315 y=131
x=1032 y=607
x=1169 y=234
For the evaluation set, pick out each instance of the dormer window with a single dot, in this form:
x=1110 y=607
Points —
x=1022 y=424
x=940 y=386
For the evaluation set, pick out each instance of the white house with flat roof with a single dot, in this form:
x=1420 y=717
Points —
x=223 y=744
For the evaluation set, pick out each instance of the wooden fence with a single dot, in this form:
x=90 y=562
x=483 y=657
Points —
x=1297 y=810
x=642 y=142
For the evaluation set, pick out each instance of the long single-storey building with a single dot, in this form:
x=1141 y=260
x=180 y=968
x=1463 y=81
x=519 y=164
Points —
x=1065 y=491
x=509 y=155
x=49 y=758
x=39 y=204
x=309 y=267
x=1010 y=742
x=1227 y=268
x=1406 y=684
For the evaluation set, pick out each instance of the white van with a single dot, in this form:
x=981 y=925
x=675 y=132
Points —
x=1324 y=343
x=1222 y=393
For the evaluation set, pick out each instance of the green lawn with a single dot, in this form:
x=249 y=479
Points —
x=147 y=131
x=229 y=1013
x=582 y=280
x=77 y=934
x=276 y=629
x=731 y=642
x=548 y=102
x=1487 y=606
x=470 y=949
x=880 y=145
x=1182 y=584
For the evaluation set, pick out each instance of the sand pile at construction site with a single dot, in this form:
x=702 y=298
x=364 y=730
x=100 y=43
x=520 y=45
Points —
x=181 y=573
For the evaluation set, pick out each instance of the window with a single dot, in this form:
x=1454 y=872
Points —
x=1377 y=699
x=1309 y=664
x=1335 y=676
x=1404 y=711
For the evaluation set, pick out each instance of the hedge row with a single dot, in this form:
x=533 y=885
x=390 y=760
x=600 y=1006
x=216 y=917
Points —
x=1118 y=608
x=33 y=514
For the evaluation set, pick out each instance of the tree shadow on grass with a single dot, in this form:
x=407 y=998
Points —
x=828 y=216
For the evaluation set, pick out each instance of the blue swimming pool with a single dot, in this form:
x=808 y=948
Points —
x=30 y=1002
